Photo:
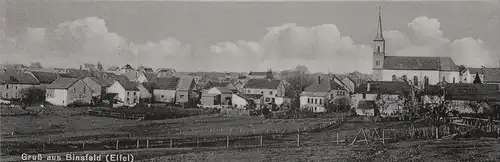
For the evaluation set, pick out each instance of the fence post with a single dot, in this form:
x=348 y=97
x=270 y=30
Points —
x=117 y=142
x=83 y=146
x=147 y=143
x=197 y=142
x=261 y=141
x=43 y=147
x=437 y=132
x=383 y=136
x=137 y=143
x=227 y=141
x=337 y=138
x=171 y=143
x=298 y=139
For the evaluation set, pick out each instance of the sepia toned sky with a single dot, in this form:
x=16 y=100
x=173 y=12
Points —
x=244 y=36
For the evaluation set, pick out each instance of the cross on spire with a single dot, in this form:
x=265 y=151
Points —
x=380 y=36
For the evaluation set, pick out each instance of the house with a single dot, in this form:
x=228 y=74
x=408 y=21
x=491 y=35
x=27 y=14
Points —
x=217 y=96
x=164 y=89
x=238 y=101
x=98 y=85
x=387 y=94
x=463 y=97
x=65 y=91
x=324 y=94
x=366 y=108
x=144 y=92
x=486 y=75
x=268 y=88
x=13 y=83
x=45 y=78
x=419 y=70
x=127 y=91
x=143 y=76
x=349 y=83
x=185 y=90
x=257 y=75
x=126 y=68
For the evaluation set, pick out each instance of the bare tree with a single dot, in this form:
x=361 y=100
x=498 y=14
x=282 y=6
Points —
x=297 y=79
x=36 y=65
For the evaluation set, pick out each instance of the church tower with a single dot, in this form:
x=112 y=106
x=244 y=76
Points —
x=378 y=50
x=379 y=46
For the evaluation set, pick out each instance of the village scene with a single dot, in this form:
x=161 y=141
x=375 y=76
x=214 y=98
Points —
x=408 y=108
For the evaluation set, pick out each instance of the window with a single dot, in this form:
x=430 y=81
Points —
x=84 y=90
x=315 y=101
x=16 y=87
x=182 y=96
x=74 y=89
x=7 y=95
x=426 y=80
x=364 y=95
x=453 y=79
x=331 y=96
x=415 y=80
x=162 y=96
x=248 y=91
x=7 y=86
x=320 y=101
x=268 y=99
x=378 y=49
x=394 y=78
x=135 y=93
x=308 y=100
x=270 y=92
x=377 y=63
x=128 y=93
x=134 y=100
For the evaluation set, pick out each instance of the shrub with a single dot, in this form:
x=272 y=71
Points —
x=78 y=103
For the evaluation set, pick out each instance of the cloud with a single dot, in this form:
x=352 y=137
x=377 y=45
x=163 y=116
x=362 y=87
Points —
x=321 y=48
x=425 y=38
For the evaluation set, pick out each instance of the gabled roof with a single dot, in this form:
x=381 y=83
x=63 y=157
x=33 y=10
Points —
x=262 y=84
x=224 y=89
x=490 y=75
x=149 y=75
x=384 y=87
x=17 y=77
x=167 y=83
x=149 y=70
x=62 y=83
x=45 y=77
x=77 y=73
x=131 y=75
x=102 y=81
x=113 y=68
x=366 y=105
x=185 y=83
x=469 y=92
x=127 y=84
x=253 y=73
x=215 y=84
x=326 y=85
x=419 y=63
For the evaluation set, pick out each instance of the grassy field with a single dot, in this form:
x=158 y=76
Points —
x=443 y=150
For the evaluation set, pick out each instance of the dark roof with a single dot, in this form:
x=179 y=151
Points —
x=62 y=83
x=366 y=105
x=242 y=77
x=127 y=84
x=150 y=76
x=215 y=84
x=77 y=73
x=45 y=77
x=17 y=77
x=325 y=85
x=252 y=73
x=490 y=75
x=102 y=81
x=384 y=87
x=419 y=63
x=185 y=83
x=464 y=91
x=148 y=70
x=167 y=83
x=262 y=84
x=224 y=89
x=109 y=96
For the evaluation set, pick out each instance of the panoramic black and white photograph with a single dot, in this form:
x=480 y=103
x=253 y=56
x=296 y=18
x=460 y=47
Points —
x=243 y=80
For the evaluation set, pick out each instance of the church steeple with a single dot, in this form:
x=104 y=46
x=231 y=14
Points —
x=379 y=45
x=380 y=35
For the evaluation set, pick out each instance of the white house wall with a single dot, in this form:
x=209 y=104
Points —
x=58 y=97
x=238 y=101
x=449 y=76
x=168 y=95
x=118 y=89
x=421 y=74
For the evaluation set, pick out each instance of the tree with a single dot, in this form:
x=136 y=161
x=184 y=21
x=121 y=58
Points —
x=383 y=102
x=33 y=95
x=99 y=66
x=269 y=74
x=298 y=79
x=477 y=79
x=36 y=65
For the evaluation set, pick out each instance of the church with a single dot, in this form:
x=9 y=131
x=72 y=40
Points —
x=417 y=70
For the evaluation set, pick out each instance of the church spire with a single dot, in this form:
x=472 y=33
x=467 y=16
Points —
x=380 y=36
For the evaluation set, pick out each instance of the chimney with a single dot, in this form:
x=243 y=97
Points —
x=368 y=87
x=319 y=79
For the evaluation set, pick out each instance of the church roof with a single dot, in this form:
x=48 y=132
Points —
x=419 y=63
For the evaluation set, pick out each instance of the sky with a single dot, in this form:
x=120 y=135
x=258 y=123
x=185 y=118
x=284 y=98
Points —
x=245 y=36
